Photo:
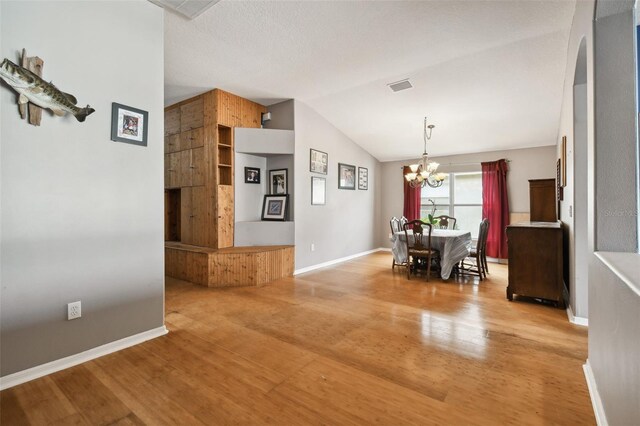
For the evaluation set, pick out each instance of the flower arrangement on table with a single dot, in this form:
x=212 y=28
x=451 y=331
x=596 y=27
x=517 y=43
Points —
x=430 y=217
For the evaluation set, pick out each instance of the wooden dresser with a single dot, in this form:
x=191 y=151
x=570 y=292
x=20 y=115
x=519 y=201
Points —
x=535 y=261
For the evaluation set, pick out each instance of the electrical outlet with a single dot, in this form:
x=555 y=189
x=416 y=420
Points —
x=313 y=247
x=74 y=310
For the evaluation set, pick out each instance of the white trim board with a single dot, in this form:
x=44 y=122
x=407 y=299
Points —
x=336 y=261
x=38 y=371
x=598 y=408
x=576 y=320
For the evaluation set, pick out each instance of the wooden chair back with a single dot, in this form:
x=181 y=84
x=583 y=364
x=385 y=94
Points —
x=446 y=222
x=482 y=236
x=420 y=237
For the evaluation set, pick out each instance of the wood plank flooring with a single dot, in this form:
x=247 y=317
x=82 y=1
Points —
x=351 y=344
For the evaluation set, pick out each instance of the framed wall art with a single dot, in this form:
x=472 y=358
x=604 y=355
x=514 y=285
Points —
x=318 y=191
x=129 y=125
x=564 y=162
x=251 y=175
x=363 y=178
x=346 y=176
x=319 y=162
x=278 y=181
x=275 y=207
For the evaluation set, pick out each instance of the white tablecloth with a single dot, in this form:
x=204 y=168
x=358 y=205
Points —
x=453 y=245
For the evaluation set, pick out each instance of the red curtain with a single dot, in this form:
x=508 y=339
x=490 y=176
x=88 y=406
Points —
x=411 y=198
x=495 y=206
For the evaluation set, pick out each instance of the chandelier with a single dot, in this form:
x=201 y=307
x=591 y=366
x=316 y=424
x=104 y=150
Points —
x=424 y=173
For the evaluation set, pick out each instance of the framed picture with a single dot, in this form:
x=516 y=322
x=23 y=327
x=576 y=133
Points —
x=275 y=207
x=363 y=178
x=251 y=175
x=129 y=125
x=319 y=162
x=559 y=188
x=346 y=176
x=318 y=191
x=278 y=181
x=564 y=161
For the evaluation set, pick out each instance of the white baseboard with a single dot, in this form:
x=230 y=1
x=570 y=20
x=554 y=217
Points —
x=384 y=249
x=576 y=320
x=336 y=261
x=598 y=408
x=38 y=371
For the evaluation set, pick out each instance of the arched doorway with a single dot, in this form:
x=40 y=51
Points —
x=579 y=257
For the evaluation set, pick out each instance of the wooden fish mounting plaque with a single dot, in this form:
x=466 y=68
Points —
x=35 y=65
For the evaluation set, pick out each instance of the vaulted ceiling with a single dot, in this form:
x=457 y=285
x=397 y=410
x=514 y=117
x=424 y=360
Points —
x=488 y=74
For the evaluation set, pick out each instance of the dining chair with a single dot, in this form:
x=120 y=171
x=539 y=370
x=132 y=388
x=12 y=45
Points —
x=446 y=222
x=483 y=249
x=418 y=240
x=395 y=225
x=478 y=253
x=403 y=220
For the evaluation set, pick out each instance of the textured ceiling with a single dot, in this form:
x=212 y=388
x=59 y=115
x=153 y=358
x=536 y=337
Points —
x=488 y=74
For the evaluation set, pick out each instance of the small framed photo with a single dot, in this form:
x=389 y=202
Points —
x=319 y=162
x=275 y=207
x=129 y=125
x=363 y=178
x=346 y=176
x=251 y=175
x=318 y=191
x=278 y=181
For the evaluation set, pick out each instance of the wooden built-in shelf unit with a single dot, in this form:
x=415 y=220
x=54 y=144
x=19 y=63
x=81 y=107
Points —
x=200 y=195
x=199 y=169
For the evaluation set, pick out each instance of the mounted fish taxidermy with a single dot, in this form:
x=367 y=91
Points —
x=34 y=89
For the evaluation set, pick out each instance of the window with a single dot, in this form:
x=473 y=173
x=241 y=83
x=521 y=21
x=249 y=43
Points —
x=459 y=196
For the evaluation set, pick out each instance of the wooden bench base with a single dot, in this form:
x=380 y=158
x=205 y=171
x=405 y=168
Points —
x=229 y=267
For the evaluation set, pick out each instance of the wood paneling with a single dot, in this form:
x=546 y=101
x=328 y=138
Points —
x=172 y=170
x=355 y=343
x=171 y=143
x=171 y=121
x=201 y=215
x=198 y=170
x=225 y=216
x=186 y=168
x=192 y=138
x=186 y=215
x=192 y=114
x=230 y=267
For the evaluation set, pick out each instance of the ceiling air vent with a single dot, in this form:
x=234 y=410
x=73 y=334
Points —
x=400 y=85
x=188 y=8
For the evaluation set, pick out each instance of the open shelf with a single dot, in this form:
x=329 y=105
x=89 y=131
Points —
x=225 y=156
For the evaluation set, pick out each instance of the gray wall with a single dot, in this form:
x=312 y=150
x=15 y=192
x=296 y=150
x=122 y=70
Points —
x=346 y=225
x=616 y=130
x=614 y=278
x=577 y=124
x=529 y=163
x=83 y=216
x=282 y=116
x=614 y=335
x=249 y=196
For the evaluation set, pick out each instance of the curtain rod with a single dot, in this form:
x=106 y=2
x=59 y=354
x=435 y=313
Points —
x=464 y=164
x=467 y=164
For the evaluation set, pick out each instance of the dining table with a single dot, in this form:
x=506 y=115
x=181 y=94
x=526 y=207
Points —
x=454 y=246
